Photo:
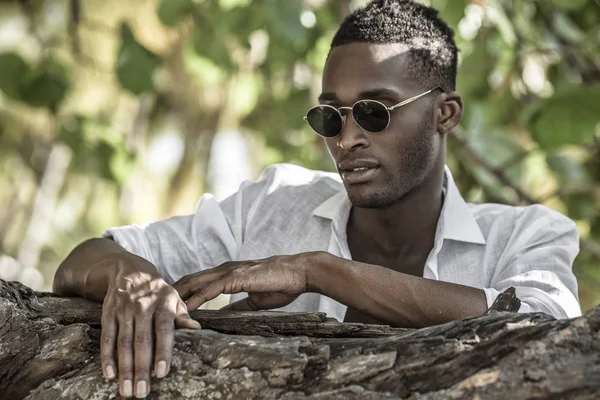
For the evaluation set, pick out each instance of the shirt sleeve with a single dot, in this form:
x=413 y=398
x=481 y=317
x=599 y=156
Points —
x=184 y=245
x=540 y=266
x=214 y=234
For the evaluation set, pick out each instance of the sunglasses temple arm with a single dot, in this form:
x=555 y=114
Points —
x=412 y=99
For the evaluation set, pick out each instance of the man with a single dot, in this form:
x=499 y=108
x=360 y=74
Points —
x=388 y=240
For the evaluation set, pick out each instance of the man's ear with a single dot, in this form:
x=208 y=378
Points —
x=450 y=112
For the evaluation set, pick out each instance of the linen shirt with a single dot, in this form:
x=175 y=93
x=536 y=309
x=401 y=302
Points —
x=291 y=210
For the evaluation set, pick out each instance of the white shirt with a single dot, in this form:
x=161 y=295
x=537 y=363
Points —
x=291 y=210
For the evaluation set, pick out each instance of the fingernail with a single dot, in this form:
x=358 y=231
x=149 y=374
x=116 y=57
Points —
x=110 y=372
x=141 y=389
x=161 y=369
x=197 y=324
x=127 y=388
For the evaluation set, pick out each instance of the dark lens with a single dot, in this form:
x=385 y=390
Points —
x=325 y=120
x=371 y=115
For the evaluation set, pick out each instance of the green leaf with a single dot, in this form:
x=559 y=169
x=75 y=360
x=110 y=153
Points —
x=567 y=169
x=202 y=69
x=46 y=86
x=244 y=91
x=135 y=64
x=581 y=207
x=496 y=14
x=12 y=69
x=317 y=56
x=104 y=153
x=571 y=5
x=71 y=134
x=451 y=13
x=171 y=12
x=43 y=86
x=229 y=4
x=242 y=21
x=121 y=165
x=477 y=64
x=97 y=149
x=500 y=107
x=569 y=117
x=566 y=28
x=497 y=145
x=284 y=20
x=211 y=39
x=286 y=111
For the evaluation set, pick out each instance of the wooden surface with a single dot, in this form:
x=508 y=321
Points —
x=49 y=349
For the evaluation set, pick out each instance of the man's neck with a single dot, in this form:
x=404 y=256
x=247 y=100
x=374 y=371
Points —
x=406 y=226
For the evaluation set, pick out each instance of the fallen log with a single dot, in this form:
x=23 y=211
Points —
x=49 y=348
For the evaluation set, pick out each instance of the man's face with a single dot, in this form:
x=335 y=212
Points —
x=399 y=158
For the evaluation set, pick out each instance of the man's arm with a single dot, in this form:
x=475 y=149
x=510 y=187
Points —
x=90 y=267
x=537 y=263
x=137 y=303
x=393 y=297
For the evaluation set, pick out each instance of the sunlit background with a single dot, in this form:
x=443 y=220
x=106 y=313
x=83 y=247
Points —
x=115 y=112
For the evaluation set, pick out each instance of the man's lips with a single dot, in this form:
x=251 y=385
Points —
x=359 y=175
x=357 y=164
x=358 y=171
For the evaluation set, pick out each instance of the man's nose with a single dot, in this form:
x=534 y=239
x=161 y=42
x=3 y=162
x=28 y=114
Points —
x=352 y=136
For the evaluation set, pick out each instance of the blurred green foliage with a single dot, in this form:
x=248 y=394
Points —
x=105 y=80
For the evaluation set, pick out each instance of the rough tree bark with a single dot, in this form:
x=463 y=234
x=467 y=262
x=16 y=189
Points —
x=49 y=349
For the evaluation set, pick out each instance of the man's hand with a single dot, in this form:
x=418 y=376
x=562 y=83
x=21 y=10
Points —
x=270 y=283
x=137 y=304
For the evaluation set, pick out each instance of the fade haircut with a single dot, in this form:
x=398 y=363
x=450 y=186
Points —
x=433 y=53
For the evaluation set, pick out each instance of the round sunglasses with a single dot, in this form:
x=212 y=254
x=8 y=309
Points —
x=371 y=115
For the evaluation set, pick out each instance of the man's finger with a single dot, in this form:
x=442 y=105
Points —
x=108 y=340
x=125 y=355
x=165 y=332
x=245 y=304
x=143 y=351
x=257 y=301
x=205 y=294
x=183 y=319
x=189 y=285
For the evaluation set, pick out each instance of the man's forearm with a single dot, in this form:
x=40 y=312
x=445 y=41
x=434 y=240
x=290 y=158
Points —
x=393 y=297
x=89 y=268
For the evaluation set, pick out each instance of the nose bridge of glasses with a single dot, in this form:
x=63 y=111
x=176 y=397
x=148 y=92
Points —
x=344 y=108
x=342 y=113
x=352 y=134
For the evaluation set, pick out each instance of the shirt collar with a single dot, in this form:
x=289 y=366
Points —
x=457 y=221
x=335 y=208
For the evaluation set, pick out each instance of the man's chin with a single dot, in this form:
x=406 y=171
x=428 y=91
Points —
x=367 y=199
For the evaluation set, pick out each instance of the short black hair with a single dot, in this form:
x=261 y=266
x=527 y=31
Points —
x=433 y=52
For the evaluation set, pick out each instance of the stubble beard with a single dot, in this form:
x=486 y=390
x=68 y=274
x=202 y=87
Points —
x=412 y=168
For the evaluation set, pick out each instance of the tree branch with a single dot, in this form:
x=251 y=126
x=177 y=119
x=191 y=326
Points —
x=458 y=135
x=47 y=195
x=75 y=10
x=49 y=348
x=515 y=160
x=570 y=190
x=499 y=173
